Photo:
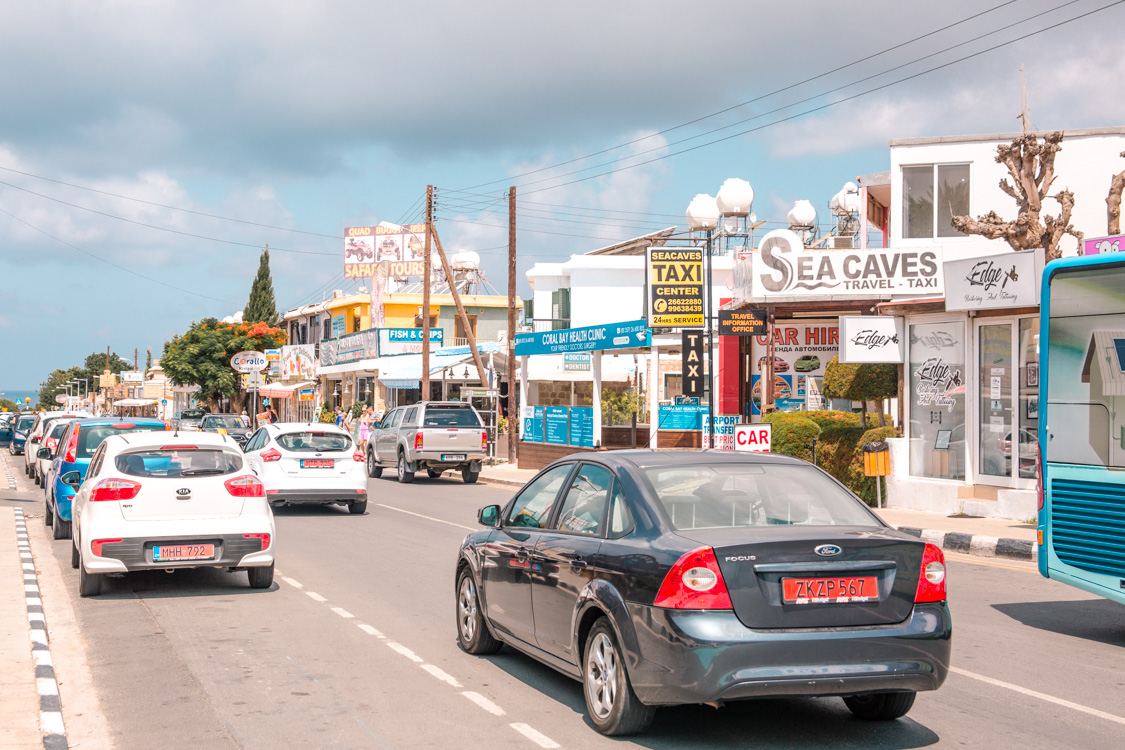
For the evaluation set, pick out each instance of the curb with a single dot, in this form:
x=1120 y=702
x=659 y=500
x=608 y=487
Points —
x=505 y=483
x=977 y=544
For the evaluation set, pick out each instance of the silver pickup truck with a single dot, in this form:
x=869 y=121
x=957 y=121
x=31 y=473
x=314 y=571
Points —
x=433 y=435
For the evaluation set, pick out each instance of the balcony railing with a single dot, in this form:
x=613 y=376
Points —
x=549 y=324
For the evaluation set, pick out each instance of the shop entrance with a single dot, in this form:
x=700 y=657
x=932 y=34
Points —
x=1008 y=401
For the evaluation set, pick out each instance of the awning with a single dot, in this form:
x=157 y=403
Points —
x=135 y=402
x=405 y=370
x=280 y=390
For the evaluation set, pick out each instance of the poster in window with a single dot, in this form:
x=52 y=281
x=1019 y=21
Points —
x=1033 y=407
x=941 y=443
x=1032 y=374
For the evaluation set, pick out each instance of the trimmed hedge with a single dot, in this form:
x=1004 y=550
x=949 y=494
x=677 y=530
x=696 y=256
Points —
x=794 y=437
x=825 y=419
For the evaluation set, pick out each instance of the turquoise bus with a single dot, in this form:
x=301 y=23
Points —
x=1081 y=527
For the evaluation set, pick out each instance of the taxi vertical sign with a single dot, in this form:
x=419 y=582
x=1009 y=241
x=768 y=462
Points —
x=675 y=286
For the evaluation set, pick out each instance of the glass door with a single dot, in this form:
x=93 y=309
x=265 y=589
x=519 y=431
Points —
x=1008 y=401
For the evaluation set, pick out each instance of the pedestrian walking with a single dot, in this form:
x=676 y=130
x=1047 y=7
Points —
x=271 y=416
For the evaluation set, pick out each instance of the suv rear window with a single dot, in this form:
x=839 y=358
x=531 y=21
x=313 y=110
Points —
x=314 y=442
x=25 y=423
x=450 y=416
x=89 y=438
x=225 y=422
x=178 y=462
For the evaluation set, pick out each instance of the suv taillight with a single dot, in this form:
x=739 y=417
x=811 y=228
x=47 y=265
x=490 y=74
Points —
x=484 y=440
x=931 y=580
x=271 y=455
x=418 y=440
x=246 y=486
x=694 y=582
x=114 y=489
x=72 y=445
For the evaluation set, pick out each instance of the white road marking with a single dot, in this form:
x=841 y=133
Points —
x=484 y=703
x=1040 y=696
x=538 y=738
x=441 y=675
x=292 y=583
x=405 y=652
x=316 y=597
x=369 y=630
x=343 y=613
x=428 y=518
x=46 y=686
x=50 y=722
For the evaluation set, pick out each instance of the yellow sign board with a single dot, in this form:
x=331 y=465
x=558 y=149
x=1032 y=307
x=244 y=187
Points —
x=675 y=286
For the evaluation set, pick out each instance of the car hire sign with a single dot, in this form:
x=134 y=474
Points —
x=784 y=268
x=753 y=438
x=675 y=286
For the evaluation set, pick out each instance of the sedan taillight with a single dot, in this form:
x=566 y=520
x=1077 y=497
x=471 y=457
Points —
x=931 y=580
x=694 y=582
x=271 y=455
x=109 y=490
x=247 y=486
x=264 y=538
x=72 y=445
x=357 y=456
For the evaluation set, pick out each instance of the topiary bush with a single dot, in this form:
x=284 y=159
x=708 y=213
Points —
x=860 y=382
x=794 y=436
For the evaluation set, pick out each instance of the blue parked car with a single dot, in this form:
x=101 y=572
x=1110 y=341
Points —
x=23 y=425
x=76 y=447
x=6 y=420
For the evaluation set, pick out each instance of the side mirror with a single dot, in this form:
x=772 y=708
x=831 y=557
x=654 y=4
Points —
x=489 y=516
x=43 y=453
x=71 y=478
x=35 y=440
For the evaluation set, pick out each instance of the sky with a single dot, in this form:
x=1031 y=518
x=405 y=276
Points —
x=149 y=150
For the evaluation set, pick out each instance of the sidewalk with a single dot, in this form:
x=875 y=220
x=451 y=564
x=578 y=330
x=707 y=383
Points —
x=988 y=537
x=19 y=699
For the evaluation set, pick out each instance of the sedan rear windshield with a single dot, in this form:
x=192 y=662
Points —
x=90 y=437
x=741 y=495
x=25 y=423
x=314 y=442
x=178 y=462
x=450 y=416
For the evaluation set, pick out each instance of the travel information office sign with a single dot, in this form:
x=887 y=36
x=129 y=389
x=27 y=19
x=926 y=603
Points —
x=631 y=335
x=675 y=286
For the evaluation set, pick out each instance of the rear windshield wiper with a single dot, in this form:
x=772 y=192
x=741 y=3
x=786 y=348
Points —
x=197 y=472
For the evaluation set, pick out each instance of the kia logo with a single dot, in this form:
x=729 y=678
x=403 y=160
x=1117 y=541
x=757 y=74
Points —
x=827 y=550
x=183 y=492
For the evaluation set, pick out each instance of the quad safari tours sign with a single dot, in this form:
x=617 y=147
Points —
x=785 y=268
x=675 y=286
x=401 y=249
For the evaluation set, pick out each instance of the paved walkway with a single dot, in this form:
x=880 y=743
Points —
x=19 y=699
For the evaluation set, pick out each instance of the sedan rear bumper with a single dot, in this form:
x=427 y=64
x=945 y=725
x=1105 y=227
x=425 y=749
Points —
x=698 y=656
x=231 y=550
x=317 y=497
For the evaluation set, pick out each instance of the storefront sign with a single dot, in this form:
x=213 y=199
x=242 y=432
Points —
x=306 y=394
x=273 y=355
x=338 y=326
x=675 y=286
x=298 y=362
x=532 y=431
x=1099 y=245
x=556 y=426
x=1009 y=279
x=801 y=351
x=247 y=362
x=753 y=438
x=629 y=335
x=582 y=426
x=356 y=346
x=132 y=376
x=742 y=322
x=784 y=268
x=406 y=340
x=692 y=362
x=579 y=362
x=401 y=250
x=724 y=431
x=871 y=338
x=681 y=417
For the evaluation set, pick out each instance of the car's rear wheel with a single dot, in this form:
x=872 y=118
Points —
x=611 y=704
x=260 y=578
x=374 y=470
x=74 y=554
x=89 y=584
x=35 y=476
x=61 y=528
x=357 y=509
x=880 y=706
x=405 y=476
x=473 y=634
x=469 y=475
x=48 y=514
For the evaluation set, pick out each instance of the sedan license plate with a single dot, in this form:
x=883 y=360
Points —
x=829 y=590
x=453 y=456
x=318 y=463
x=169 y=552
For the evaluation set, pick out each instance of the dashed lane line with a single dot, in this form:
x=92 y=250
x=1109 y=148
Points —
x=484 y=703
x=535 y=736
x=316 y=597
x=343 y=613
x=292 y=583
x=399 y=648
x=369 y=630
x=428 y=518
x=442 y=675
x=1041 y=696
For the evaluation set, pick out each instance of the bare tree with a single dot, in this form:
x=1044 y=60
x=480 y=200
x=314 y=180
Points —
x=1031 y=166
x=1113 y=202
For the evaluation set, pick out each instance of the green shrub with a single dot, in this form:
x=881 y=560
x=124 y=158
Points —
x=794 y=436
x=860 y=382
x=841 y=455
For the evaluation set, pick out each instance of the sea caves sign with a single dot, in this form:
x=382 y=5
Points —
x=784 y=268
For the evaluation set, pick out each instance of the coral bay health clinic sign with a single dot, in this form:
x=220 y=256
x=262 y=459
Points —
x=627 y=335
x=785 y=268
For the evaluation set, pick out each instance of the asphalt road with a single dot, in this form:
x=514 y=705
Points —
x=355 y=646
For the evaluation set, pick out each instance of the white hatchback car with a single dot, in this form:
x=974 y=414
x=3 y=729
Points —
x=50 y=443
x=309 y=463
x=43 y=422
x=161 y=501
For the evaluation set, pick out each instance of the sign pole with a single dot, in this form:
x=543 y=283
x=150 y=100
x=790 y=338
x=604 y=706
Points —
x=708 y=265
x=512 y=324
x=426 y=296
x=460 y=311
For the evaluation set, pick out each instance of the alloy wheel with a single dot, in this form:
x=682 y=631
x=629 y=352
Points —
x=467 y=609
x=601 y=675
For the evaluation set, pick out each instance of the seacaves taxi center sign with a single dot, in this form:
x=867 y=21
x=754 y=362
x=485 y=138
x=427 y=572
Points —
x=784 y=268
x=628 y=335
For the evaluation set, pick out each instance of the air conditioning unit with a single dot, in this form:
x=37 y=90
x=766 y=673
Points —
x=837 y=242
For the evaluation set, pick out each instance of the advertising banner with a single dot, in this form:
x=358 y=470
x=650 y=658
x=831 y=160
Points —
x=532 y=428
x=132 y=376
x=675 y=286
x=681 y=417
x=691 y=354
x=246 y=362
x=400 y=248
x=1009 y=279
x=871 y=338
x=801 y=351
x=628 y=335
x=406 y=340
x=556 y=425
x=579 y=362
x=724 y=431
x=582 y=426
x=298 y=362
x=785 y=268
x=754 y=438
x=742 y=322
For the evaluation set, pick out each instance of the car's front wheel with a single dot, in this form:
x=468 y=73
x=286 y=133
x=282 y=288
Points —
x=473 y=634
x=374 y=470
x=89 y=584
x=405 y=476
x=260 y=578
x=880 y=706
x=611 y=704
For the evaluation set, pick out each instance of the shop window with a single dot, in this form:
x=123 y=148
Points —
x=673 y=385
x=418 y=320
x=937 y=393
x=1028 y=404
x=921 y=218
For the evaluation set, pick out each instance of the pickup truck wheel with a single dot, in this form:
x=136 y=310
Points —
x=404 y=475
x=469 y=475
x=373 y=469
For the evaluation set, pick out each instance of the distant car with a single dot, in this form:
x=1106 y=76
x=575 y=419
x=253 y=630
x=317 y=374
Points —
x=21 y=427
x=434 y=436
x=188 y=420
x=7 y=419
x=151 y=501
x=806 y=363
x=235 y=425
x=687 y=577
x=76 y=446
x=779 y=365
x=305 y=464
x=38 y=431
x=48 y=449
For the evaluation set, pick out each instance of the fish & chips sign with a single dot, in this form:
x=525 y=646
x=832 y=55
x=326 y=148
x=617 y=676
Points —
x=784 y=268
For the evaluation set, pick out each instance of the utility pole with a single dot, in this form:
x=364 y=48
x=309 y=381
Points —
x=426 y=295
x=512 y=324
x=460 y=308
